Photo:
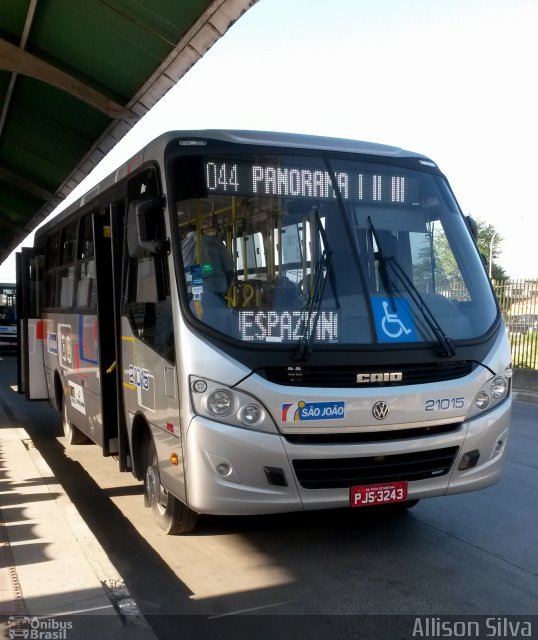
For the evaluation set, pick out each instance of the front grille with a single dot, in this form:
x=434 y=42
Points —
x=359 y=437
x=346 y=375
x=348 y=472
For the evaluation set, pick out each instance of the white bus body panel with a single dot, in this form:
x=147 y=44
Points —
x=36 y=383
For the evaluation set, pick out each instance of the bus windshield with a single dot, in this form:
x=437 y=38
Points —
x=8 y=315
x=319 y=250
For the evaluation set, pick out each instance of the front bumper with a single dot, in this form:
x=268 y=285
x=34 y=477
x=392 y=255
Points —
x=252 y=460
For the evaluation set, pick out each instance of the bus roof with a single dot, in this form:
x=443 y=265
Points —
x=295 y=141
x=291 y=140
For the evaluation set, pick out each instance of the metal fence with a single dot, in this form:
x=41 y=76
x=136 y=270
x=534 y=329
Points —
x=519 y=304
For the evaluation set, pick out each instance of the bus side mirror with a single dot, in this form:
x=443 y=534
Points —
x=142 y=229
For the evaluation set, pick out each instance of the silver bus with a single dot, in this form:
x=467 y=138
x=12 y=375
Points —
x=256 y=322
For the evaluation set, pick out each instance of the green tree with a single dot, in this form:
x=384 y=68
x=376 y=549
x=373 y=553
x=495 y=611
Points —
x=489 y=240
x=447 y=272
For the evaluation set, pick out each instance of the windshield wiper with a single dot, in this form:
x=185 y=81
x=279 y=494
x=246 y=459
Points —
x=383 y=271
x=448 y=349
x=311 y=309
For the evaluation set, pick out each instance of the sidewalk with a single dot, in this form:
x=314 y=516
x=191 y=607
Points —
x=54 y=576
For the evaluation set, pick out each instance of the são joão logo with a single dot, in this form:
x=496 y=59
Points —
x=302 y=411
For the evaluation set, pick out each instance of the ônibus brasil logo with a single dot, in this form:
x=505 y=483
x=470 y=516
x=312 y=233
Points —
x=34 y=628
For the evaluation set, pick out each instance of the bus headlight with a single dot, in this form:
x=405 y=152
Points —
x=219 y=402
x=493 y=392
x=498 y=387
x=251 y=414
x=482 y=400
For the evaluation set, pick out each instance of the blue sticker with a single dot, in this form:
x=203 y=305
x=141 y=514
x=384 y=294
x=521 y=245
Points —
x=393 y=320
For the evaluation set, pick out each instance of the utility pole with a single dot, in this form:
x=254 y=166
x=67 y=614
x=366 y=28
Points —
x=491 y=251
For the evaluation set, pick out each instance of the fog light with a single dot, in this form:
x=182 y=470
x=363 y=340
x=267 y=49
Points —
x=498 y=445
x=223 y=469
x=469 y=460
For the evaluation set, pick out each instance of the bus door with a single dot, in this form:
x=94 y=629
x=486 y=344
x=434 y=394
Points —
x=148 y=345
x=108 y=234
x=32 y=329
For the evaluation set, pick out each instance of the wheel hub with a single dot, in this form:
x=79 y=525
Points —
x=153 y=485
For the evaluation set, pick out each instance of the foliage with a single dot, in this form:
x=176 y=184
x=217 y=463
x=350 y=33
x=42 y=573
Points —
x=490 y=240
x=446 y=271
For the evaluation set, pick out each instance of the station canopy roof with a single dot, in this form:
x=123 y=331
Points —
x=75 y=76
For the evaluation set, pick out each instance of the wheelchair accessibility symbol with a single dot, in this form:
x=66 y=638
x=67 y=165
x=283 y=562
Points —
x=393 y=319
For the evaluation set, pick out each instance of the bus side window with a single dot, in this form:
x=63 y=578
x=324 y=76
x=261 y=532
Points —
x=148 y=287
x=51 y=271
x=152 y=318
x=66 y=274
x=86 y=294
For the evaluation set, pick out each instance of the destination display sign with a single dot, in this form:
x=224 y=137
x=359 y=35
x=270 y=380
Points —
x=287 y=326
x=295 y=181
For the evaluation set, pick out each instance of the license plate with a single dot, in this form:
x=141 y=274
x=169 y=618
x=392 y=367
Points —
x=384 y=493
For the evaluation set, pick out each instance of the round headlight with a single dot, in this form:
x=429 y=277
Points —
x=498 y=387
x=482 y=400
x=220 y=402
x=251 y=414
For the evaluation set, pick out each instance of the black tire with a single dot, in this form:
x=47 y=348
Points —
x=72 y=434
x=172 y=516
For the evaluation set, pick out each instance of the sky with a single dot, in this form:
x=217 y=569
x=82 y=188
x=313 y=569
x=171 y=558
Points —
x=452 y=79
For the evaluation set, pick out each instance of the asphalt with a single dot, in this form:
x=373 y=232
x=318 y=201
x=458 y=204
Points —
x=55 y=578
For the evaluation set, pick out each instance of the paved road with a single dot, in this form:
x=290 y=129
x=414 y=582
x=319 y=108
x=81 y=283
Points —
x=468 y=555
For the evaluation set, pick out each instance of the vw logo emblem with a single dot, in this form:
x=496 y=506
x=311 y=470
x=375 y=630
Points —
x=380 y=410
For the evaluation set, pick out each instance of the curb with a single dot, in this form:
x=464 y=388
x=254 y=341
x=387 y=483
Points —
x=525 y=395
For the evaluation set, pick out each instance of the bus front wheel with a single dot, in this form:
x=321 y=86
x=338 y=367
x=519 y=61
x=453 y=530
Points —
x=172 y=516
x=71 y=433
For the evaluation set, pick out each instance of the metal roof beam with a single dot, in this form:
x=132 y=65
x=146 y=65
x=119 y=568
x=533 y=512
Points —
x=14 y=59
x=8 y=225
x=24 y=184
x=24 y=39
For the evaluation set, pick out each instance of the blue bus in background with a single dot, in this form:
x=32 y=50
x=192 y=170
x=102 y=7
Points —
x=8 y=316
